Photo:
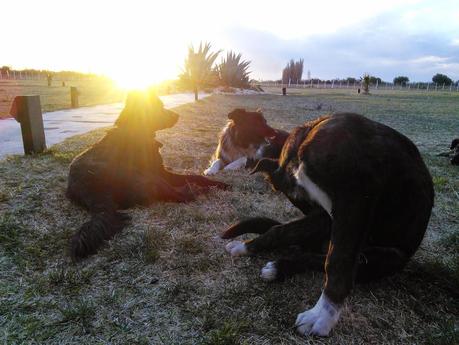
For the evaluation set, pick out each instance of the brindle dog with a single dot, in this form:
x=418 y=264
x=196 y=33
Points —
x=367 y=197
x=124 y=169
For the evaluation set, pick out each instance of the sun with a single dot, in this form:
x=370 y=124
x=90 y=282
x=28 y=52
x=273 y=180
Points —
x=142 y=71
x=135 y=79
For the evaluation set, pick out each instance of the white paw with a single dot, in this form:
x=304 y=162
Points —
x=209 y=171
x=236 y=248
x=319 y=320
x=237 y=164
x=269 y=272
x=214 y=167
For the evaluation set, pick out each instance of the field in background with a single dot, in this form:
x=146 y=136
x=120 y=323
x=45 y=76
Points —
x=167 y=279
x=55 y=97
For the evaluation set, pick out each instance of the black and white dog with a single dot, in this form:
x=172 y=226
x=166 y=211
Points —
x=367 y=197
x=245 y=139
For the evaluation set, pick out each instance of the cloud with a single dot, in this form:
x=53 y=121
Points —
x=381 y=46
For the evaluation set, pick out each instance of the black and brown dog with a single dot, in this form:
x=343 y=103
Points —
x=125 y=168
x=245 y=139
x=367 y=197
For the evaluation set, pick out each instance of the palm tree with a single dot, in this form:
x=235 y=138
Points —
x=198 y=67
x=232 y=71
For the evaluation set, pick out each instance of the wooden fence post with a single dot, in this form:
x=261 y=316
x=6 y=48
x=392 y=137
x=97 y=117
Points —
x=74 y=97
x=27 y=111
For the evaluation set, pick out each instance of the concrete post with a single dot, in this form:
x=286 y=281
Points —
x=74 y=97
x=27 y=111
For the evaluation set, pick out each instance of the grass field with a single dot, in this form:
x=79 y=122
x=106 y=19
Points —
x=167 y=279
x=55 y=97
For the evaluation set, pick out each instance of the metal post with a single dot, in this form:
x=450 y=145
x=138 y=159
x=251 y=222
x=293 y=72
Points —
x=27 y=111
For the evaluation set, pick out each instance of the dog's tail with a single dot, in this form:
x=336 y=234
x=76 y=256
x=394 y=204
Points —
x=257 y=225
x=100 y=228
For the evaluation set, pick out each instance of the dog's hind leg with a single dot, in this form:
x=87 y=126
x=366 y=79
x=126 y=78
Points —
x=256 y=225
x=374 y=263
x=289 y=266
x=379 y=262
x=179 y=180
x=146 y=191
x=309 y=232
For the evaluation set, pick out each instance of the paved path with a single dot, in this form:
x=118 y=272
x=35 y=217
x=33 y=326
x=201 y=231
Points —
x=62 y=124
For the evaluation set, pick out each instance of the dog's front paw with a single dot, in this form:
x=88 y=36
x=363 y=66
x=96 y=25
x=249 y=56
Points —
x=319 y=320
x=209 y=171
x=269 y=272
x=236 y=248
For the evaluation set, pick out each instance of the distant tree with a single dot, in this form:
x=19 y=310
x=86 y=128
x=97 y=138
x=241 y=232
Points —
x=5 y=71
x=441 y=79
x=375 y=80
x=351 y=80
x=293 y=72
x=198 y=70
x=401 y=80
x=366 y=83
x=233 y=71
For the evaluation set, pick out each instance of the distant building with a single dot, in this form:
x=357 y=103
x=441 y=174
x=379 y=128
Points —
x=309 y=75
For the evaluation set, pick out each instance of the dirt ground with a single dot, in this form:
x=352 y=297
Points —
x=167 y=279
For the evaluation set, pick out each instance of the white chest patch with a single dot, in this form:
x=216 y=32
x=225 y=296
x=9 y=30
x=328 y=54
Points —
x=315 y=193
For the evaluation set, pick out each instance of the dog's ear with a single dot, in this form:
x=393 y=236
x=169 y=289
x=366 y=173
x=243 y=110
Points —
x=134 y=109
x=154 y=99
x=454 y=143
x=236 y=114
x=266 y=165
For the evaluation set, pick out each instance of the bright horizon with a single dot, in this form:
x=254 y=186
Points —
x=141 y=42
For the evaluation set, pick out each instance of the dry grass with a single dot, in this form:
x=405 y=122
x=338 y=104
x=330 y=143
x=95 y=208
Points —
x=167 y=280
x=55 y=97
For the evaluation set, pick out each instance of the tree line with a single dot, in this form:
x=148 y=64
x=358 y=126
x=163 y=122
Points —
x=7 y=72
x=293 y=73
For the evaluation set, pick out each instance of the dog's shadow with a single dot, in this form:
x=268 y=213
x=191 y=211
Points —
x=424 y=286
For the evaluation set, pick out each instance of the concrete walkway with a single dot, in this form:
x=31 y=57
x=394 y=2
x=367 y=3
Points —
x=62 y=124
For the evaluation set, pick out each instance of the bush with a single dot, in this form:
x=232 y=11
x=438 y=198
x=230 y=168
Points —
x=233 y=71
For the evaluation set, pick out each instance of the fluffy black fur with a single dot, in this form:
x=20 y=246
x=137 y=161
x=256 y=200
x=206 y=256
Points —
x=124 y=169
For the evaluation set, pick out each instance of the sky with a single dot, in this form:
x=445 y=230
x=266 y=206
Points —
x=145 y=40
